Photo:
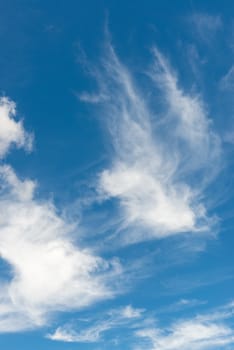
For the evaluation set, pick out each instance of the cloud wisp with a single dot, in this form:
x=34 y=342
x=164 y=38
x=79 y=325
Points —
x=47 y=270
x=115 y=319
x=209 y=331
x=162 y=161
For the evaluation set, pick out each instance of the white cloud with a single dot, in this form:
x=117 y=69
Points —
x=160 y=167
x=199 y=333
x=47 y=270
x=11 y=131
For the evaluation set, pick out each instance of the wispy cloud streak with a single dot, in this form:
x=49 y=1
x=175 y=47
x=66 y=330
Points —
x=117 y=318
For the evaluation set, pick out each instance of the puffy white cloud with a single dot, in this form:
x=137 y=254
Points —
x=11 y=131
x=160 y=165
x=46 y=270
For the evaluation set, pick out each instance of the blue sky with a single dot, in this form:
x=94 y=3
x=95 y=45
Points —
x=116 y=175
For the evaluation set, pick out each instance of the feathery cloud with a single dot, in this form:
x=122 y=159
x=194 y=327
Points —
x=160 y=166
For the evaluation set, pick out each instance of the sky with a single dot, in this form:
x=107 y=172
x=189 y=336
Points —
x=116 y=175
